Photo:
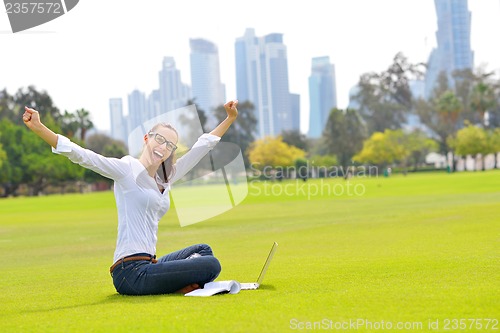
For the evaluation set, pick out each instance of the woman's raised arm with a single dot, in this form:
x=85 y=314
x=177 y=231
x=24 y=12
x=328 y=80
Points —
x=232 y=113
x=31 y=119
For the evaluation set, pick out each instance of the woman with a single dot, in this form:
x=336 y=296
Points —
x=142 y=199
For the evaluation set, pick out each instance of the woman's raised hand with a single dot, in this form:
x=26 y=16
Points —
x=231 y=108
x=31 y=117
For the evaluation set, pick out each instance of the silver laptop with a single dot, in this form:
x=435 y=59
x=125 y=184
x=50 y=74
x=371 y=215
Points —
x=255 y=285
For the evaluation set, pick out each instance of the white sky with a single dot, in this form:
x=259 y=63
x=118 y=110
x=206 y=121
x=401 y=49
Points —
x=103 y=49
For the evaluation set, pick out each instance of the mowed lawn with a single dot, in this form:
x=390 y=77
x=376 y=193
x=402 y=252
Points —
x=414 y=251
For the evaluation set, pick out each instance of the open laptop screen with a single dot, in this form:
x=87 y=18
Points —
x=268 y=261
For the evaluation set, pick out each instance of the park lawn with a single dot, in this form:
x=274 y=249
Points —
x=415 y=250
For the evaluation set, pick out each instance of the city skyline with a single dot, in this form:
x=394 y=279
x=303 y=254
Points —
x=111 y=57
x=262 y=77
x=453 y=51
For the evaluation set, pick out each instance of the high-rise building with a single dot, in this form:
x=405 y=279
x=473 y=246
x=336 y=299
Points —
x=137 y=110
x=262 y=79
x=207 y=89
x=453 y=51
x=322 y=94
x=154 y=104
x=295 y=111
x=117 y=125
x=173 y=93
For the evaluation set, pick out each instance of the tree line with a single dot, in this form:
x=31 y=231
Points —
x=26 y=160
x=461 y=117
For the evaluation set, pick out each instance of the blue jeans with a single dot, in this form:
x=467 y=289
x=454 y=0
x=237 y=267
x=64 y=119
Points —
x=171 y=273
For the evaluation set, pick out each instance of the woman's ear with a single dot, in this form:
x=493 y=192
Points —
x=146 y=138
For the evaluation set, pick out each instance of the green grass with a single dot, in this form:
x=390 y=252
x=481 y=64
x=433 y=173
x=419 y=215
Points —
x=403 y=249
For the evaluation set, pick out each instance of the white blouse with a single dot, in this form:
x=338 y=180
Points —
x=140 y=203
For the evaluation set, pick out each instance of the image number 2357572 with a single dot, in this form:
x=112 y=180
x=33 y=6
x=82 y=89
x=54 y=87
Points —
x=24 y=14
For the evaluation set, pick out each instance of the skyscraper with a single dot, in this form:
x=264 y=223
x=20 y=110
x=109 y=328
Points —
x=173 y=93
x=206 y=86
x=453 y=50
x=154 y=104
x=117 y=124
x=262 y=79
x=137 y=110
x=295 y=111
x=322 y=94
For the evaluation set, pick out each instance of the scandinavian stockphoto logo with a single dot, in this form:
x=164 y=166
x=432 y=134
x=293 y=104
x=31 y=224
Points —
x=216 y=181
x=26 y=14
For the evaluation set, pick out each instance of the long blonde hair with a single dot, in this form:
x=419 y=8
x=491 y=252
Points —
x=167 y=167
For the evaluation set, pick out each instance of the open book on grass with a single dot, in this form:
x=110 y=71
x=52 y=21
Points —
x=217 y=287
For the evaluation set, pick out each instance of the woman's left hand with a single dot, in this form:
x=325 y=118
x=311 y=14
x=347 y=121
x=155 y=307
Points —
x=231 y=109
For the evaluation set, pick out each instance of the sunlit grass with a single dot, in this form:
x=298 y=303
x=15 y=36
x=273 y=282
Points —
x=406 y=249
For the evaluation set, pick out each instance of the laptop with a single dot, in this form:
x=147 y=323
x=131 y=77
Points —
x=255 y=285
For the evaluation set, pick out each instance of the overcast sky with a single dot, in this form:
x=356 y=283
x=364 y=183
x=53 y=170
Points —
x=103 y=49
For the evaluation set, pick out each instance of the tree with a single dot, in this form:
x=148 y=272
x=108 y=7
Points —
x=41 y=167
x=493 y=119
x=418 y=145
x=69 y=124
x=482 y=99
x=323 y=164
x=478 y=92
x=41 y=101
x=494 y=144
x=494 y=113
x=295 y=138
x=464 y=80
x=6 y=105
x=383 y=149
x=441 y=114
x=3 y=156
x=470 y=140
x=395 y=80
x=84 y=122
x=385 y=98
x=106 y=146
x=30 y=161
x=115 y=149
x=242 y=131
x=12 y=171
x=272 y=152
x=343 y=135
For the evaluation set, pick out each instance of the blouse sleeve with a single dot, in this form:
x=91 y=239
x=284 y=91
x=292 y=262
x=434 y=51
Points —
x=109 y=167
x=205 y=143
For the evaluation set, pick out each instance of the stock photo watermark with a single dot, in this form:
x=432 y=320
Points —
x=26 y=14
x=447 y=324
x=308 y=190
x=269 y=180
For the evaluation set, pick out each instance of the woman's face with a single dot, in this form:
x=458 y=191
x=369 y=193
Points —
x=160 y=144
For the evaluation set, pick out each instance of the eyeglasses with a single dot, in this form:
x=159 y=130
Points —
x=161 y=140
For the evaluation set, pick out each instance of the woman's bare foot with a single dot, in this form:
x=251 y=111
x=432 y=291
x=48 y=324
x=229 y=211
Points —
x=188 y=289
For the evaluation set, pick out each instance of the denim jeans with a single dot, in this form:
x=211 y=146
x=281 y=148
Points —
x=171 y=273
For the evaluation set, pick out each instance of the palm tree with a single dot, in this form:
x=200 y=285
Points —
x=84 y=122
x=448 y=108
x=69 y=124
x=482 y=99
